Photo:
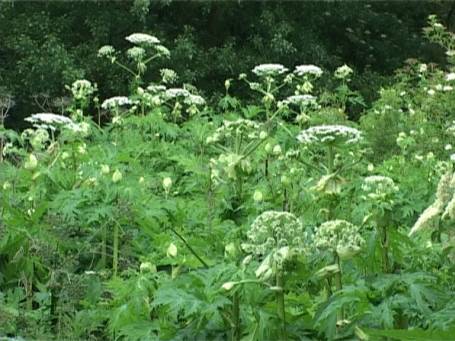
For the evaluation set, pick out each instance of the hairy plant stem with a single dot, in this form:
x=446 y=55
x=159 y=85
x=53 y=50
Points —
x=189 y=247
x=385 y=249
x=381 y=228
x=210 y=202
x=104 y=247
x=280 y=305
x=286 y=207
x=235 y=317
x=115 y=249
x=330 y=159
x=2 y=127
x=338 y=283
x=236 y=323
x=1 y=149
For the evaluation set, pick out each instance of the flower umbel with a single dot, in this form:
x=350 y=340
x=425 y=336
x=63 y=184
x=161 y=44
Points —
x=142 y=39
x=302 y=70
x=273 y=230
x=339 y=236
x=330 y=134
x=265 y=70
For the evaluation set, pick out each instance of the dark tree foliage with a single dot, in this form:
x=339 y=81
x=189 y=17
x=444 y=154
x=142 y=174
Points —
x=46 y=45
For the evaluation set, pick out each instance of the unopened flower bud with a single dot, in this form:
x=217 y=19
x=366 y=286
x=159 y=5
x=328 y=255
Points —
x=31 y=162
x=247 y=260
x=227 y=84
x=117 y=176
x=228 y=285
x=258 y=196
x=285 y=180
x=105 y=169
x=167 y=184
x=171 y=250
x=277 y=150
x=147 y=267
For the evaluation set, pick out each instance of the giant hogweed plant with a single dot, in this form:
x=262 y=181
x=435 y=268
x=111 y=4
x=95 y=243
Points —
x=170 y=222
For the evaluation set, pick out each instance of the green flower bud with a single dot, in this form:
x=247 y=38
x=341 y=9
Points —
x=258 y=196
x=228 y=285
x=31 y=162
x=227 y=84
x=105 y=169
x=117 y=176
x=167 y=184
x=277 y=150
x=285 y=180
x=171 y=250
x=147 y=267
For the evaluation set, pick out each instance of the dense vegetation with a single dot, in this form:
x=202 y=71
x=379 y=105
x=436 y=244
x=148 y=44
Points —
x=292 y=204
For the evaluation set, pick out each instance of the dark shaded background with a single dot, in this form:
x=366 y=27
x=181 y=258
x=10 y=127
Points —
x=45 y=45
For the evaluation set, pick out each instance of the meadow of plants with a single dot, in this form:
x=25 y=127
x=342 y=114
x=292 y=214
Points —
x=160 y=215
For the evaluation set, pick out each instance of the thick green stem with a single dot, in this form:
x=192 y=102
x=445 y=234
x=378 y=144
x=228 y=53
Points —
x=1 y=149
x=235 y=317
x=115 y=250
x=104 y=247
x=330 y=159
x=280 y=306
x=339 y=284
x=210 y=203
x=285 y=201
x=338 y=281
x=385 y=249
x=189 y=247
x=236 y=326
x=381 y=229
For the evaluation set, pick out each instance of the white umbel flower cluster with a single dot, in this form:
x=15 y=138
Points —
x=136 y=53
x=450 y=77
x=176 y=92
x=265 y=70
x=379 y=187
x=153 y=88
x=115 y=102
x=444 y=204
x=82 y=88
x=330 y=134
x=106 y=51
x=194 y=100
x=53 y=121
x=229 y=165
x=249 y=129
x=273 y=230
x=49 y=118
x=343 y=72
x=303 y=70
x=300 y=100
x=339 y=236
x=142 y=39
